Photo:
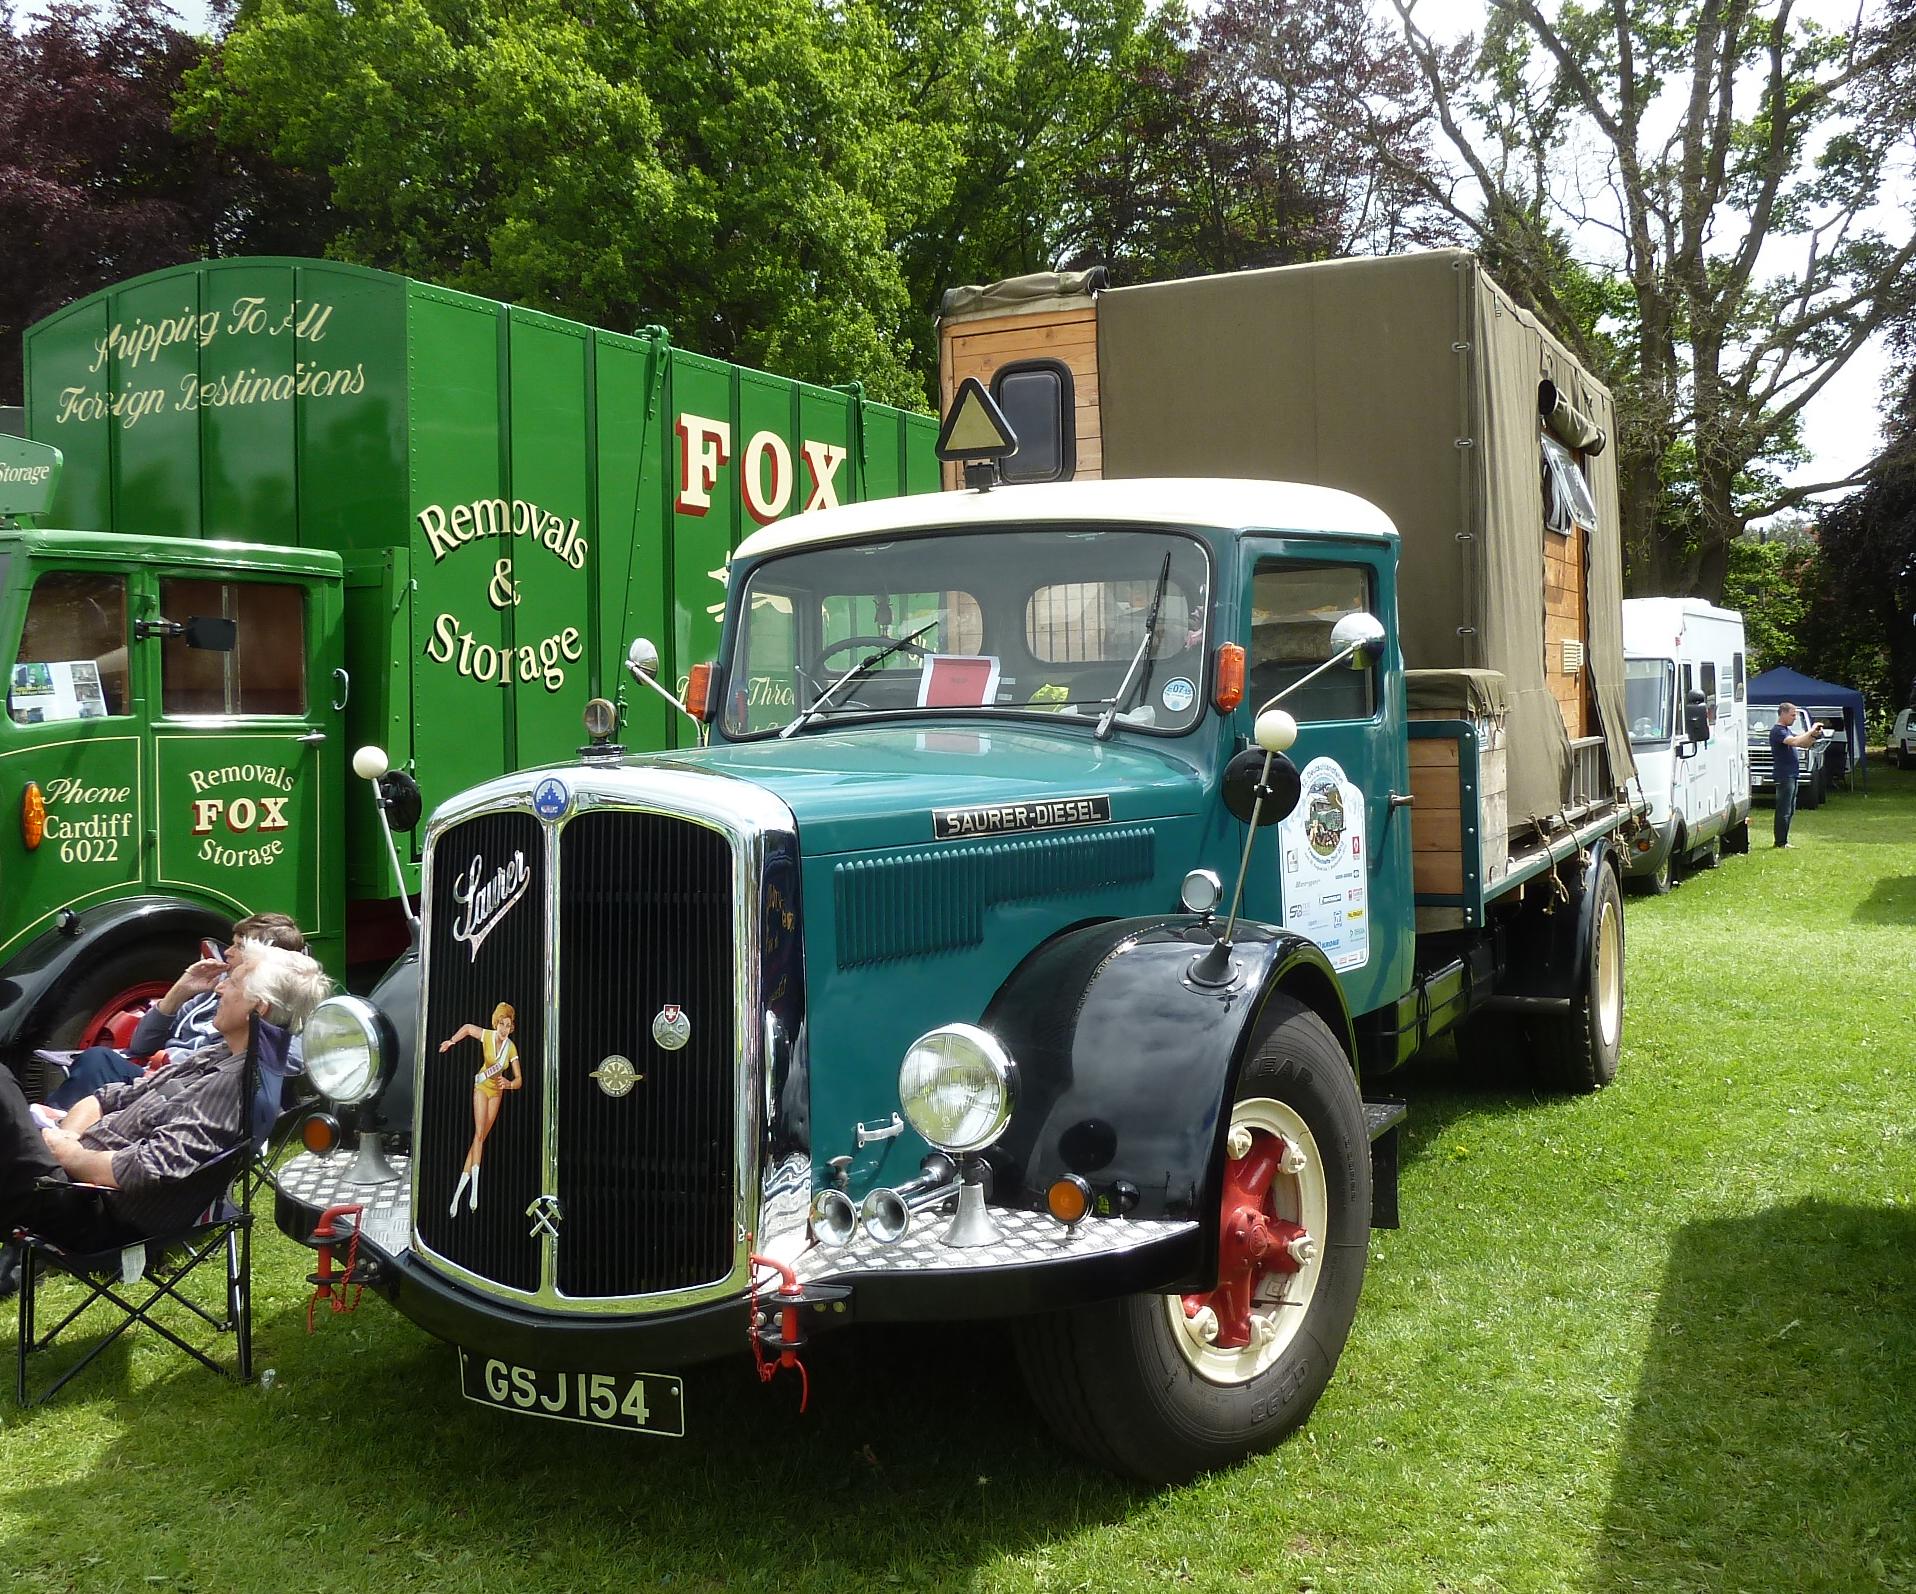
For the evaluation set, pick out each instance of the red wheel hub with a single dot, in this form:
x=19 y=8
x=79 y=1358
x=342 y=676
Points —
x=1253 y=1241
x=114 y=1023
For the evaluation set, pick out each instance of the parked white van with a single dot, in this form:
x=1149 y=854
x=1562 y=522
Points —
x=1685 y=678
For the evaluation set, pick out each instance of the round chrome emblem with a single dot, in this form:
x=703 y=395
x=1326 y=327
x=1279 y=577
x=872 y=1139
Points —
x=671 y=1029
x=616 y=1076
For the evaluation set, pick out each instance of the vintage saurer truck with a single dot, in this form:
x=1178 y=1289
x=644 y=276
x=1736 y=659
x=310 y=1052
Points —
x=414 y=517
x=1063 y=865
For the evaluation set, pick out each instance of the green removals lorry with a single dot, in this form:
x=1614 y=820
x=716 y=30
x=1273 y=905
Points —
x=434 y=522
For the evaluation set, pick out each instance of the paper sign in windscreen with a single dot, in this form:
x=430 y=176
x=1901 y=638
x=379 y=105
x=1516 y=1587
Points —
x=954 y=680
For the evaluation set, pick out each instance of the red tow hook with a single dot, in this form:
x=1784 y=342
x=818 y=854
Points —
x=789 y=1336
x=790 y=1296
x=336 y=1223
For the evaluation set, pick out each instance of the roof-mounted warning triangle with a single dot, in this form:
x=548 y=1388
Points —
x=975 y=428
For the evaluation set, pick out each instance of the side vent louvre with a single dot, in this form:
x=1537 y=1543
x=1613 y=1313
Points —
x=916 y=903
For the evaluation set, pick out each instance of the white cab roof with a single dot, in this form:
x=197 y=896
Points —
x=1196 y=501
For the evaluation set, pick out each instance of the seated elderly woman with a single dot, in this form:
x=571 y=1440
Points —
x=142 y=1141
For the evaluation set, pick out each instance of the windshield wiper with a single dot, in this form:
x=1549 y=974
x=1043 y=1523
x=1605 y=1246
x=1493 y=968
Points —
x=1103 y=732
x=805 y=716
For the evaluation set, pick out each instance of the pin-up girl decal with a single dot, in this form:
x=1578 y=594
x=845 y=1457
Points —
x=500 y=1073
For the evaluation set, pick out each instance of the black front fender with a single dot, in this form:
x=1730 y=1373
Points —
x=31 y=984
x=1127 y=1064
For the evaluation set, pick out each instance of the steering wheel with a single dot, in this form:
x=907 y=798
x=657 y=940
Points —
x=875 y=643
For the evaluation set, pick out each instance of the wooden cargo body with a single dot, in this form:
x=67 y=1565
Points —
x=1417 y=383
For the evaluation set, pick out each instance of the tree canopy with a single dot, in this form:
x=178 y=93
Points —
x=1735 y=155
x=96 y=185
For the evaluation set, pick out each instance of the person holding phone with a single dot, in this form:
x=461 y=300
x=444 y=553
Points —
x=1786 y=767
x=180 y=1021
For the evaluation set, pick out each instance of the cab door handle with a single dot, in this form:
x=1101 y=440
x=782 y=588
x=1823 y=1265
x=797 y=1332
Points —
x=1401 y=800
x=311 y=738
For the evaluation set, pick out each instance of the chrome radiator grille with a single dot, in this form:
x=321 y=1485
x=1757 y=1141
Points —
x=621 y=1173
x=488 y=905
x=646 y=923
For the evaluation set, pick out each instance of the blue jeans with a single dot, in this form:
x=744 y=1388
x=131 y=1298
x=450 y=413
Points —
x=94 y=1067
x=1785 y=809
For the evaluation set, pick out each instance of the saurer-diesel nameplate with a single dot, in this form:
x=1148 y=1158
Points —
x=997 y=819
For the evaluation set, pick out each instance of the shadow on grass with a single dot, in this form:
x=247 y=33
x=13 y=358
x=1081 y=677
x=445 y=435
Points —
x=1891 y=901
x=1770 y=1443
x=919 y=1460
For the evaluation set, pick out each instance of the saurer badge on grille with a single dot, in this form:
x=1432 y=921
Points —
x=484 y=900
x=948 y=824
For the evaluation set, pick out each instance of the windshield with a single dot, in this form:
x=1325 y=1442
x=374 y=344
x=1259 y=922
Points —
x=1648 y=696
x=1762 y=718
x=1002 y=622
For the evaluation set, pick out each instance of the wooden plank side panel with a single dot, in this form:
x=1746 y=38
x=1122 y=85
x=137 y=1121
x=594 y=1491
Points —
x=982 y=348
x=1437 y=873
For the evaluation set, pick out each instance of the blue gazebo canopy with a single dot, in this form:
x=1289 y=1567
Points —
x=1784 y=685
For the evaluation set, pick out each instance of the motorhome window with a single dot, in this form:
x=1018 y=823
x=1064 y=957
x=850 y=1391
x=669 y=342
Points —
x=1020 y=622
x=1738 y=666
x=1647 y=700
x=265 y=674
x=1708 y=688
x=1293 y=610
x=1040 y=406
x=72 y=663
x=1567 y=503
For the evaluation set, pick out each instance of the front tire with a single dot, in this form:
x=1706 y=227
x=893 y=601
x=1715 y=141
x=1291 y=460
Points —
x=1163 y=1387
x=1581 y=1048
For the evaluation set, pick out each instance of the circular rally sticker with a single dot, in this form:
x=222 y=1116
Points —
x=550 y=799
x=1178 y=694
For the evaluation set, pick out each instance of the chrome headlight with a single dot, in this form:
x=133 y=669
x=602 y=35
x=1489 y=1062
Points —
x=342 y=1048
x=957 y=1086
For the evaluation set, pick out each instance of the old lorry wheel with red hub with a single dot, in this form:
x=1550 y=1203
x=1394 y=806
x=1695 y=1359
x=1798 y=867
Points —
x=1163 y=1387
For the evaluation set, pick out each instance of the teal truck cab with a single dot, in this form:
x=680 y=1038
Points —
x=1014 y=948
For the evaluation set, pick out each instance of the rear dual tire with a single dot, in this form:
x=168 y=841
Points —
x=1135 y=1386
x=1580 y=1049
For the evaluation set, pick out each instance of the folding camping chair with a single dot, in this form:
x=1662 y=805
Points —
x=149 y=1271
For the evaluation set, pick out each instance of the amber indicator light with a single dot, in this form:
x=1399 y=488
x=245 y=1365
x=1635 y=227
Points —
x=698 y=691
x=1068 y=1200
x=1230 y=677
x=33 y=816
x=319 y=1133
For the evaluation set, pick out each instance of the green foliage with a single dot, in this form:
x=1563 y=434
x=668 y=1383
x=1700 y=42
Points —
x=736 y=170
x=1766 y=581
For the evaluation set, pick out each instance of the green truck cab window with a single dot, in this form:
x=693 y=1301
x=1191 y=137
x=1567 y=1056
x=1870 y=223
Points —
x=264 y=674
x=1016 y=622
x=72 y=663
x=1293 y=609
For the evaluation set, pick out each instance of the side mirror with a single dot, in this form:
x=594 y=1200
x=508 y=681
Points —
x=214 y=634
x=1696 y=717
x=642 y=660
x=1363 y=634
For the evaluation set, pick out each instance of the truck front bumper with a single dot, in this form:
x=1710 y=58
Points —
x=1661 y=836
x=1034 y=1265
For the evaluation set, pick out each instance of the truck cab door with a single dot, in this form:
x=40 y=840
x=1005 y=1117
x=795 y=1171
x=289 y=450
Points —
x=70 y=731
x=247 y=765
x=1338 y=869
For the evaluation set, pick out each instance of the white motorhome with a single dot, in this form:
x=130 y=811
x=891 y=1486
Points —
x=1685 y=674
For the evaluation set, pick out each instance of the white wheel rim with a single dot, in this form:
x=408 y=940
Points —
x=1609 y=956
x=1279 y=1300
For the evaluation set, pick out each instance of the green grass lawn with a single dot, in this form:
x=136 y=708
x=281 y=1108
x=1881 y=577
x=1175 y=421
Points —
x=1660 y=1339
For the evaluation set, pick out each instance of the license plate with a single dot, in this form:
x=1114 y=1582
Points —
x=637 y=1402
